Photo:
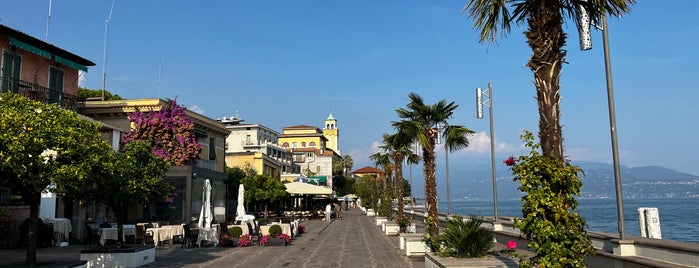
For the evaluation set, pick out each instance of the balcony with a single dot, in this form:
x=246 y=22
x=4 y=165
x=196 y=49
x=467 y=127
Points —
x=38 y=93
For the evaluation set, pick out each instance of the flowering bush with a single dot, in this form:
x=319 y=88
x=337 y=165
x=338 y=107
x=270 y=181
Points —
x=302 y=228
x=264 y=240
x=511 y=245
x=286 y=237
x=556 y=232
x=244 y=241
x=225 y=241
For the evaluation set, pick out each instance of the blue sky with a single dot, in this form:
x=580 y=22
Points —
x=284 y=63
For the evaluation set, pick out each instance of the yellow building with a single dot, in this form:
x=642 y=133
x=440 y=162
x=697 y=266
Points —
x=188 y=180
x=309 y=148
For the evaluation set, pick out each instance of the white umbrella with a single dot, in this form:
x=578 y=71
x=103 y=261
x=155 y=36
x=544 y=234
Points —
x=240 y=211
x=206 y=215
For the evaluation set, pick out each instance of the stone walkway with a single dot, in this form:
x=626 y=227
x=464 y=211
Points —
x=354 y=241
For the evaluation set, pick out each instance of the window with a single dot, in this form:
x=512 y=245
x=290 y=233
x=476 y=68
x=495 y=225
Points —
x=11 y=70
x=285 y=145
x=294 y=145
x=212 y=148
x=312 y=144
x=303 y=144
x=55 y=85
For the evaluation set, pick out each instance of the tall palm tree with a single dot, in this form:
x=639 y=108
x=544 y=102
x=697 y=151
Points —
x=545 y=36
x=422 y=122
x=383 y=161
x=347 y=163
x=399 y=146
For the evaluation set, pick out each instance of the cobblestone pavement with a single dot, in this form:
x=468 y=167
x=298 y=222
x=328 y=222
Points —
x=354 y=241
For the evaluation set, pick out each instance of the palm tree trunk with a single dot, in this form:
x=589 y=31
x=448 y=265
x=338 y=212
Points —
x=431 y=183
x=546 y=38
x=398 y=162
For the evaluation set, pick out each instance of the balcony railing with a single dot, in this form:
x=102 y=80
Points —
x=38 y=93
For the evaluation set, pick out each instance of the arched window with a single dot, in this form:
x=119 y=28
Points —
x=303 y=144
x=312 y=144
x=285 y=145
x=293 y=145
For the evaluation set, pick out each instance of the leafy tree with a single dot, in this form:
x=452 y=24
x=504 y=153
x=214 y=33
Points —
x=264 y=189
x=545 y=36
x=134 y=175
x=341 y=164
x=38 y=143
x=424 y=122
x=383 y=161
x=368 y=191
x=399 y=147
x=84 y=93
x=169 y=132
x=556 y=232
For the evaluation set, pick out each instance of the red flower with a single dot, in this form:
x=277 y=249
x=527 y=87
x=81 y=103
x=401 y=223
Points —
x=511 y=245
x=509 y=161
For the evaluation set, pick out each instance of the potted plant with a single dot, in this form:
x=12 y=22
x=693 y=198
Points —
x=275 y=237
x=231 y=238
x=403 y=223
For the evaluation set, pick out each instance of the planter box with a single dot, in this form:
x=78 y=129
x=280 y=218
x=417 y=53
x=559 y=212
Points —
x=414 y=246
x=380 y=220
x=128 y=257
x=276 y=242
x=370 y=212
x=390 y=228
x=402 y=237
x=434 y=261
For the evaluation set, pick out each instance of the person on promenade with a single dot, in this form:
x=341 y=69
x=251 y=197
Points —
x=328 y=210
x=337 y=212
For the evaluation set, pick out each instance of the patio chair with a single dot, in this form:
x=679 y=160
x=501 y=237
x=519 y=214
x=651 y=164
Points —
x=90 y=237
x=255 y=235
x=142 y=236
x=190 y=236
x=147 y=237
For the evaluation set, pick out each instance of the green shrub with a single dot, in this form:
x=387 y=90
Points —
x=275 y=230
x=465 y=238
x=235 y=232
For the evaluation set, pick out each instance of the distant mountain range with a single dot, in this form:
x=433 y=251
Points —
x=598 y=182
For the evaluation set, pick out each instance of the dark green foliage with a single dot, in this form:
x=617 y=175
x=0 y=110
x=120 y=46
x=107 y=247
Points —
x=235 y=232
x=84 y=93
x=275 y=230
x=465 y=238
x=556 y=232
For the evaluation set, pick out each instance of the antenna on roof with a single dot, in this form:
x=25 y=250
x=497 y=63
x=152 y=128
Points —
x=160 y=73
x=48 y=19
x=104 y=59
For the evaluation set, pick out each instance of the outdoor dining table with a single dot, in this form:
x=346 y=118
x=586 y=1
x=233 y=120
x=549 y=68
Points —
x=208 y=234
x=111 y=233
x=61 y=229
x=176 y=230
x=160 y=234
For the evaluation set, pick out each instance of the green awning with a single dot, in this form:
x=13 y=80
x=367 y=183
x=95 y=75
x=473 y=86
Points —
x=320 y=178
x=30 y=48
x=70 y=63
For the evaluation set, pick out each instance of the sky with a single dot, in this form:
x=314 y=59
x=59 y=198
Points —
x=285 y=63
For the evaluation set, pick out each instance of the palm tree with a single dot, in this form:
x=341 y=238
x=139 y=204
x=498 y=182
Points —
x=383 y=161
x=422 y=122
x=399 y=146
x=347 y=163
x=545 y=36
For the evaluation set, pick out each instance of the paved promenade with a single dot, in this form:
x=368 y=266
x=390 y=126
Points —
x=354 y=241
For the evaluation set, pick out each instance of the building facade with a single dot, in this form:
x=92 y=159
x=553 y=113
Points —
x=39 y=70
x=256 y=146
x=189 y=179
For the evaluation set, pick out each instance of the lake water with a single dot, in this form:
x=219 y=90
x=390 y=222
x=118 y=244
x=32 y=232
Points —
x=678 y=216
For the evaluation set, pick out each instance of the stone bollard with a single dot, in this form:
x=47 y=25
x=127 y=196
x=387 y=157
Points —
x=649 y=219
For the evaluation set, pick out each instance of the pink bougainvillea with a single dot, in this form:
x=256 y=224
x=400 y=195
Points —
x=511 y=245
x=169 y=131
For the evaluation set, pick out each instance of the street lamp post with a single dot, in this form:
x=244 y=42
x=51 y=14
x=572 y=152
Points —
x=612 y=127
x=479 y=114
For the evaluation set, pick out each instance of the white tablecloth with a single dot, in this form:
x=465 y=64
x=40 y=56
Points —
x=286 y=228
x=111 y=233
x=176 y=230
x=61 y=228
x=208 y=234
x=160 y=234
